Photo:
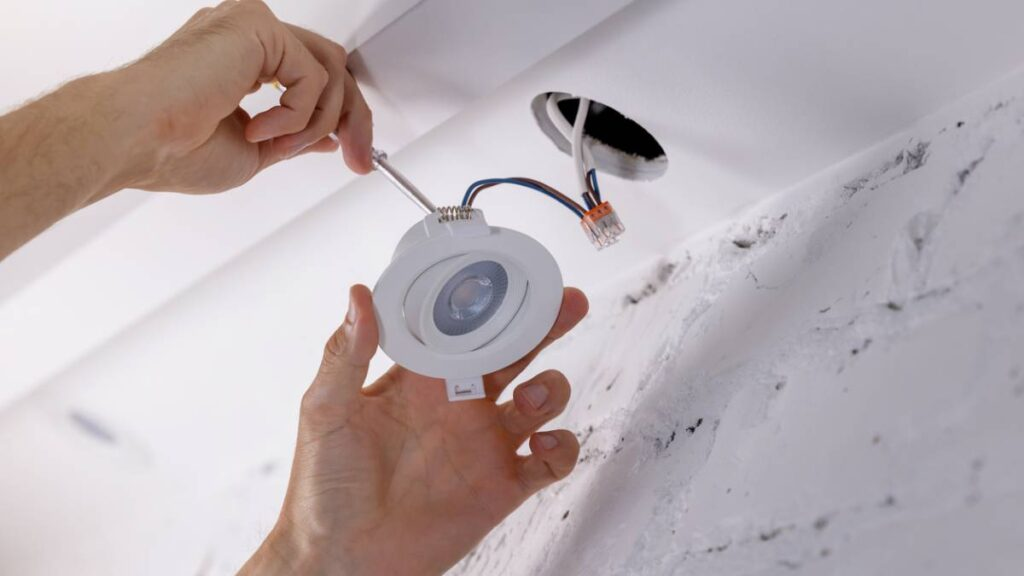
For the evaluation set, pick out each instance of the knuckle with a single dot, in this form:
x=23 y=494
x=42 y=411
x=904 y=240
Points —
x=316 y=407
x=335 y=346
x=256 y=5
x=255 y=9
x=311 y=402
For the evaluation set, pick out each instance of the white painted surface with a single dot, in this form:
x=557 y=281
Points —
x=163 y=448
x=845 y=396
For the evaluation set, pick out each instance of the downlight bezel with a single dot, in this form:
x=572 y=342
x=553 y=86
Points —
x=431 y=251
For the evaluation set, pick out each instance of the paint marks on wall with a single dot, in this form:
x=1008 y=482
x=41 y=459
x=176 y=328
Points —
x=780 y=397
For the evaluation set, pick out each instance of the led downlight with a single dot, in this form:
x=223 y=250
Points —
x=461 y=299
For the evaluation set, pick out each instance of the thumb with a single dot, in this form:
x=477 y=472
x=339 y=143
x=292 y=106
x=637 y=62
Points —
x=346 y=357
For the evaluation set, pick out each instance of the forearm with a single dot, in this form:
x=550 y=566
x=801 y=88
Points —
x=66 y=150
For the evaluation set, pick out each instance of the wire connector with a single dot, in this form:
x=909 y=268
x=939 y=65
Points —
x=602 y=225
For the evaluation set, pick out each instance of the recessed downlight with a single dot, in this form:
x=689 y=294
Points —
x=461 y=299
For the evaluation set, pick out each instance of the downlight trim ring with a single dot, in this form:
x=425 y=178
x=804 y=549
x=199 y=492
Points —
x=435 y=242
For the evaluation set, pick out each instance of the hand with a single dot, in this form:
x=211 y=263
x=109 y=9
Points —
x=194 y=81
x=395 y=479
x=171 y=121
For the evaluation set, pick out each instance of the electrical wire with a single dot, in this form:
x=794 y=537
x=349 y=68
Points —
x=545 y=189
x=594 y=187
x=577 y=148
x=582 y=159
x=562 y=125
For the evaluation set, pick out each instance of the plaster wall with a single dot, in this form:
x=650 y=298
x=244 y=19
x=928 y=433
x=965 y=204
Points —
x=832 y=383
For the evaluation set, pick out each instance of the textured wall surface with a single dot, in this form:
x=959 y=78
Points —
x=832 y=383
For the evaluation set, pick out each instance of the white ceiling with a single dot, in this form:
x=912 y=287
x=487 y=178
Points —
x=189 y=326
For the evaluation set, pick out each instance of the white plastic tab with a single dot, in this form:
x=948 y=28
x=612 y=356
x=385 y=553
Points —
x=465 y=388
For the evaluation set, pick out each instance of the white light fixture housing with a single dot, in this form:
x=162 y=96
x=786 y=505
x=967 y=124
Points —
x=461 y=299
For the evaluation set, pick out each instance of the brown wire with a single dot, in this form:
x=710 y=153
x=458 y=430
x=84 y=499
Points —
x=590 y=189
x=538 y=183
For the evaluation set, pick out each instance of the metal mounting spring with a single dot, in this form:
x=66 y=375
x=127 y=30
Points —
x=453 y=213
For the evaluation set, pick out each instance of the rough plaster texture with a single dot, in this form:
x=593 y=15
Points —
x=832 y=383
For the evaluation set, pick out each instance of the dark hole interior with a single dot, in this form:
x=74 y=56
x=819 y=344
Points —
x=607 y=125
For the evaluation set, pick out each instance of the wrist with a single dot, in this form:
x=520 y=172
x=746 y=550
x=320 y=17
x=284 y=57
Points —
x=285 y=551
x=123 y=127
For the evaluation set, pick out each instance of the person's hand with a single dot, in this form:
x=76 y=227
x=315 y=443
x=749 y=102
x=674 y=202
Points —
x=395 y=479
x=192 y=84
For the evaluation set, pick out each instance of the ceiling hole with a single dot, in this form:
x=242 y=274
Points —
x=618 y=145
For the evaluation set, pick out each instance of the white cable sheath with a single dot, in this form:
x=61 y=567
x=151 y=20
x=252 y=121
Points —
x=577 y=145
x=563 y=126
x=558 y=119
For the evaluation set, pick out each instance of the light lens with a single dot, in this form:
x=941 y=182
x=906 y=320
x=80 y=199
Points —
x=470 y=298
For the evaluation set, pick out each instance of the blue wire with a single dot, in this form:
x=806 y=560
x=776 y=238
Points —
x=593 y=183
x=478 y=183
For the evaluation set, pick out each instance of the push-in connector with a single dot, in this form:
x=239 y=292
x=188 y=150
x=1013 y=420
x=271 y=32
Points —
x=602 y=225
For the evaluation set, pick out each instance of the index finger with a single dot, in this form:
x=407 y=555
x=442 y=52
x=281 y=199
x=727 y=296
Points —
x=289 y=61
x=355 y=129
x=574 y=308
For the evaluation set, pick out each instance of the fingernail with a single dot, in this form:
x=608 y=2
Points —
x=547 y=441
x=353 y=314
x=536 y=395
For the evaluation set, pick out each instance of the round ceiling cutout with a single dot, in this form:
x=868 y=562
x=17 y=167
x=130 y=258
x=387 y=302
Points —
x=618 y=144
